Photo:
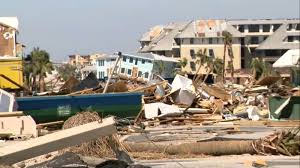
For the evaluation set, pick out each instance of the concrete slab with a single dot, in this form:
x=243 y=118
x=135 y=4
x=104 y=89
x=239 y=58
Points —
x=52 y=142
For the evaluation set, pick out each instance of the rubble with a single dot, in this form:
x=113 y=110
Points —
x=191 y=103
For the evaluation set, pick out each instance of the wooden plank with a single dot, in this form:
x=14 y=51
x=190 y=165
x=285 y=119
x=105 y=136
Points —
x=148 y=87
x=196 y=110
x=268 y=80
x=217 y=92
x=52 y=142
x=10 y=114
x=49 y=124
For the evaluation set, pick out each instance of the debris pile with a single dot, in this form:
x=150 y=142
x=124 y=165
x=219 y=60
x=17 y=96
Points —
x=189 y=100
x=99 y=147
x=285 y=142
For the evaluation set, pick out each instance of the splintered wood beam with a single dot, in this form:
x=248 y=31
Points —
x=52 y=142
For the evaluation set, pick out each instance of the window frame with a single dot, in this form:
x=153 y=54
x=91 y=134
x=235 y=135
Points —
x=130 y=60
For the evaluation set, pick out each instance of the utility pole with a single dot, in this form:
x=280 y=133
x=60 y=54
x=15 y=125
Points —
x=113 y=71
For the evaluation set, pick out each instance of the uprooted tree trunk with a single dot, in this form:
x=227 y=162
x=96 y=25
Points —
x=209 y=148
x=284 y=142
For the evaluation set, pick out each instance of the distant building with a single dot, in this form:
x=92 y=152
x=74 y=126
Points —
x=11 y=52
x=85 y=63
x=79 y=60
x=105 y=65
x=138 y=65
x=85 y=71
x=266 y=38
x=83 y=60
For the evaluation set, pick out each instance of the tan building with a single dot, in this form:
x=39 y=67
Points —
x=268 y=39
x=79 y=60
x=83 y=60
x=206 y=35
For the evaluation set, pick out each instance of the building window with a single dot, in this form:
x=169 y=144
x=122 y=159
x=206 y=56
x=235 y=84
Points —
x=298 y=27
x=113 y=59
x=176 y=52
x=129 y=71
x=131 y=60
x=242 y=52
x=253 y=28
x=275 y=27
x=211 y=53
x=252 y=51
x=140 y=74
x=290 y=39
x=143 y=61
x=289 y=27
x=192 y=53
x=122 y=70
x=101 y=63
x=210 y=41
x=254 y=40
x=241 y=28
x=177 y=41
x=146 y=75
x=149 y=61
x=191 y=41
x=136 y=61
x=99 y=75
x=243 y=64
x=266 y=28
x=124 y=59
x=242 y=41
x=193 y=66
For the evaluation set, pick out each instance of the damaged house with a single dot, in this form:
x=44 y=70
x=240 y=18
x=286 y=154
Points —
x=138 y=65
x=11 y=52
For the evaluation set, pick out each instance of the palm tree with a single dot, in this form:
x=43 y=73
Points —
x=201 y=60
x=261 y=68
x=227 y=38
x=40 y=65
x=66 y=71
x=183 y=62
x=160 y=67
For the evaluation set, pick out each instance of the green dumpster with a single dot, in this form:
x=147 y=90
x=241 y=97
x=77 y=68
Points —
x=291 y=111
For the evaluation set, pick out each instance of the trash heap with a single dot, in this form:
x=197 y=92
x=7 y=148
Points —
x=185 y=101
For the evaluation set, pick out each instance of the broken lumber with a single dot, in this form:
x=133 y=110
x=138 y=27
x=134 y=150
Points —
x=52 y=142
x=195 y=110
x=10 y=114
x=153 y=86
x=49 y=124
x=216 y=92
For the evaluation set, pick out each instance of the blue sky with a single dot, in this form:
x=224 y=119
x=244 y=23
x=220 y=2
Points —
x=64 y=27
